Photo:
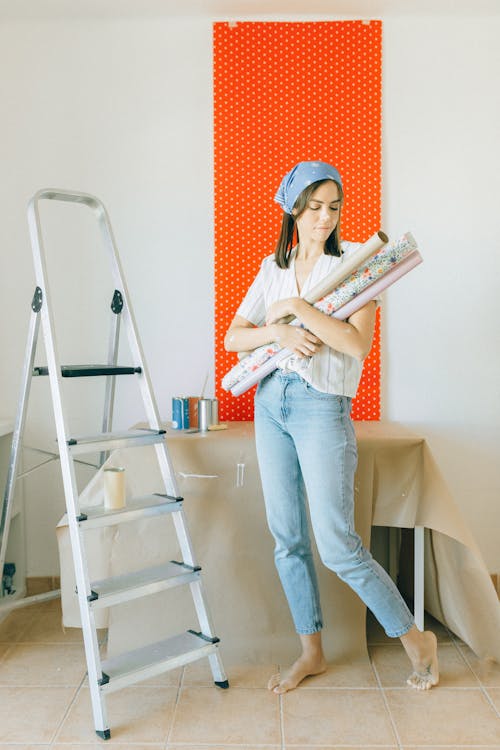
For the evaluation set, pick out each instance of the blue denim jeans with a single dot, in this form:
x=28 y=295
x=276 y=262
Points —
x=306 y=444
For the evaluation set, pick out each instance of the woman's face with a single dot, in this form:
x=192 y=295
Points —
x=321 y=215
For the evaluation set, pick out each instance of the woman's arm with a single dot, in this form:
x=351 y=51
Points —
x=353 y=337
x=243 y=336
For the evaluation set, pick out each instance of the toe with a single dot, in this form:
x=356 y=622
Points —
x=279 y=689
x=273 y=682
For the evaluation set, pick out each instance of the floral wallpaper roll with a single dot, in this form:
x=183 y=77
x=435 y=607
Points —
x=364 y=276
x=356 y=303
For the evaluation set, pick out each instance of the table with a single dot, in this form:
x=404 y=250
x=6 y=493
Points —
x=398 y=484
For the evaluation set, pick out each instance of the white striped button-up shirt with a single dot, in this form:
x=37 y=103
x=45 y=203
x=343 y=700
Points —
x=328 y=370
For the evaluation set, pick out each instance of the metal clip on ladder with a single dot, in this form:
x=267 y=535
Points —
x=125 y=669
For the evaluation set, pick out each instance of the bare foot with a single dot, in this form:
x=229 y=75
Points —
x=305 y=666
x=423 y=656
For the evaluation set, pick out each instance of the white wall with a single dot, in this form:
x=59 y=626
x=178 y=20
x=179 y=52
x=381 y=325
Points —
x=123 y=108
x=441 y=153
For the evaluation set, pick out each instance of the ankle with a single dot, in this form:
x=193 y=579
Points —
x=312 y=655
x=312 y=646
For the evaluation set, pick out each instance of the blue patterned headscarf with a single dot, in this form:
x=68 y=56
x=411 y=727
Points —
x=302 y=175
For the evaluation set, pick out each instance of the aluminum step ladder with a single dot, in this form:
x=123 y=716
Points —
x=125 y=669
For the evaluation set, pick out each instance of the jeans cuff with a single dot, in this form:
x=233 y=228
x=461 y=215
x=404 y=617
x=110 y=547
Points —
x=310 y=631
x=402 y=631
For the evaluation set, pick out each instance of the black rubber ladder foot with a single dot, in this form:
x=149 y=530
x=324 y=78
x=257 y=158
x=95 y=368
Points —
x=104 y=734
x=224 y=684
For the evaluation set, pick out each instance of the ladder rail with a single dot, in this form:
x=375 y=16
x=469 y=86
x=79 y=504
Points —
x=109 y=394
x=8 y=500
x=67 y=469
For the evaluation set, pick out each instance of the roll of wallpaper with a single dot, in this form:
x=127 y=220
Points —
x=344 y=312
x=364 y=275
x=378 y=286
x=345 y=269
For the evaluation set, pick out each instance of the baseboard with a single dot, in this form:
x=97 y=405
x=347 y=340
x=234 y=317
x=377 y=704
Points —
x=41 y=584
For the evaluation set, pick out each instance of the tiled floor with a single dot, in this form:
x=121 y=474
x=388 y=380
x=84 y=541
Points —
x=44 y=700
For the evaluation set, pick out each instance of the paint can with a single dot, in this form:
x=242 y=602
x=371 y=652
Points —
x=204 y=413
x=180 y=412
x=193 y=411
x=215 y=412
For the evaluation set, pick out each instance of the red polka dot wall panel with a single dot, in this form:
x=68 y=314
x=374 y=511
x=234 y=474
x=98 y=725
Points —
x=286 y=92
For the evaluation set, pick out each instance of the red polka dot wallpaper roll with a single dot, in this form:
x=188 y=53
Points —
x=286 y=92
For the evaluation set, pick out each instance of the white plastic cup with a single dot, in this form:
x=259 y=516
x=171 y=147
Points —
x=114 y=488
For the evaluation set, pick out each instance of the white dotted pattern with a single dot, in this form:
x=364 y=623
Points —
x=283 y=93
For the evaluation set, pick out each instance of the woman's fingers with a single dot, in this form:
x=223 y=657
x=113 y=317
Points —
x=304 y=342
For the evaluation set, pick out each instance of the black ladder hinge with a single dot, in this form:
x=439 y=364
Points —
x=205 y=637
x=117 y=302
x=37 y=301
x=192 y=568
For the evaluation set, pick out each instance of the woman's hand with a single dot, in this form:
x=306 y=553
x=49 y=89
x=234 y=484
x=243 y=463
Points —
x=298 y=340
x=281 y=309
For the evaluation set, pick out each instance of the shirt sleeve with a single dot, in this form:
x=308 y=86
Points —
x=253 y=306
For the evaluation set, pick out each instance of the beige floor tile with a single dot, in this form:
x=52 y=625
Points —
x=4 y=647
x=198 y=674
x=100 y=745
x=136 y=714
x=43 y=664
x=494 y=694
x=444 y=716
x=393 y=667
x=225 y=747
x=24 y=747
x=13 y=627
x=487 y=671
x=211 y=715
x=32 y=714
x=343 y=676
x=346 y=747
x=451 y=747
x=47 y=627
x=53 y=605
x=326 y=717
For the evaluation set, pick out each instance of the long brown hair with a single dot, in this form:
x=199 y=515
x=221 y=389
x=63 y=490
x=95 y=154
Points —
x=288 y=234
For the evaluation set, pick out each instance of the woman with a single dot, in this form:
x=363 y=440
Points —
x=304 y=434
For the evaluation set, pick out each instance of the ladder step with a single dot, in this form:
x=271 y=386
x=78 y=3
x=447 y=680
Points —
x=88 y=371
x=124 y=588
x=139 y=507
x=154 y=659
x=111 y=440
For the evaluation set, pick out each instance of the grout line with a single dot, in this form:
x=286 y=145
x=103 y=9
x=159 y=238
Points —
x=282 y=721
x=483 y=688
x=68 y=708
x=466 y=661
x=180 y=686
x=386 y=704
